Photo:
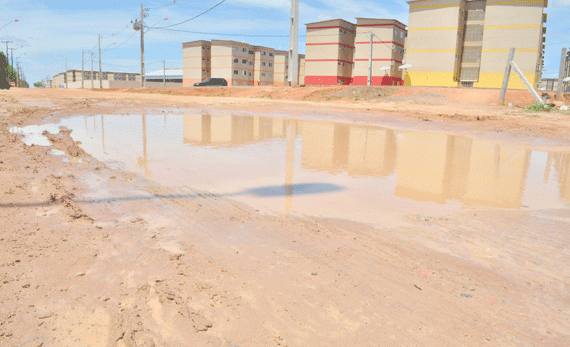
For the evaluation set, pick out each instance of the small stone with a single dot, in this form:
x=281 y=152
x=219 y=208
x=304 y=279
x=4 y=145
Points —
x=470 y=288
x=26 y=286
x=79 y=274
x=466 y=295
x=314 y=273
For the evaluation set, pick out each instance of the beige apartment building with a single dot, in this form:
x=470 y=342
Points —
x=263 y=66
x=329 y=52
x=388 y=39
x=196 y=62
x=467 y=42
x=281 y=71
x=111 y=79
x=241 y=64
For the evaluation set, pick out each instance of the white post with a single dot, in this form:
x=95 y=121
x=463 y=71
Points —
x=294 y=44
x=370 y=59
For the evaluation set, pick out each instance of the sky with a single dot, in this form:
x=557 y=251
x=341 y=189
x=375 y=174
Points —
x=49 y=31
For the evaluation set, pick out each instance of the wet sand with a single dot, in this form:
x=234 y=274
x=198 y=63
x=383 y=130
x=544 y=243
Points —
x=93 y=255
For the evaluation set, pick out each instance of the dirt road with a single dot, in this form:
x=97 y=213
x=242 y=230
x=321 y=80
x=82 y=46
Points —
x=90 y=256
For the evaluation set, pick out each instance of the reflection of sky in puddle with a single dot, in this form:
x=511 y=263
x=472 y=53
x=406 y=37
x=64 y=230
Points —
x=33 y=134
x=367 y=174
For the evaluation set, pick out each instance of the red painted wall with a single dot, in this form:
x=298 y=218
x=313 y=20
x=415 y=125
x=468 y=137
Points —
x=356 y=81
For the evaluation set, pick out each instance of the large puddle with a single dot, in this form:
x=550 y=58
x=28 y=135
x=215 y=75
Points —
x=366 y=174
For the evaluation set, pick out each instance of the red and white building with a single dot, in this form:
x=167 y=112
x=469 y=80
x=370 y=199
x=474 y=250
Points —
x=338 y=52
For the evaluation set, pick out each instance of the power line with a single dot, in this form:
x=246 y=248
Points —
x=240 y=35
x=186 y=21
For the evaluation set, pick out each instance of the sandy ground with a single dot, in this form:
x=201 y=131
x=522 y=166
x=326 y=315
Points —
x=175 y=266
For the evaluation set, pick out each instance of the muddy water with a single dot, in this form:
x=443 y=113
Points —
x=366 y=174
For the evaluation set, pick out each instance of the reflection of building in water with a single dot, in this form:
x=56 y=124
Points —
x=562 y=165
x=222 y=130
x=340 y=147
x=372 y=152
x=439 y=167
x=422 y=166
x=318 y=146
x=497 y=175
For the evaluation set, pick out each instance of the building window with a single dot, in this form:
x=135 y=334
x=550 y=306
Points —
x=251 y=63
x=263 y=52
x=263 y=74
x=270 y=65
x=236 y=60
x=236 y=72
x=244 y=61
x=244 y=50
x=262 y=63
x=250 y=74
x=203 y=58
x=251 y=52
x=203 y=47
x=270 y=54
x=244 y=73
x=271 y=75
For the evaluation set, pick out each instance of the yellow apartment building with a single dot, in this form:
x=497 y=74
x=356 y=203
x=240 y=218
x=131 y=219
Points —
x=329 y=52
x=388 y=38
x=467 y=42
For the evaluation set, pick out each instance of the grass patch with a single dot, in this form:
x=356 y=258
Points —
x=533 y=116
x=539 y=107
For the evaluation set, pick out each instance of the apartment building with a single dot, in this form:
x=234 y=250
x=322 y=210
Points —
x=281 y=71
x=264 y=60
x=196 y=57
x=241 y=64
x=467 y=42
x=329 y=52
x=111 y=79
x=233 y=61
x=388 y=37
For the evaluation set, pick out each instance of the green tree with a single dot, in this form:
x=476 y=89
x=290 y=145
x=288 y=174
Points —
x=5 y=70
x=38 y=84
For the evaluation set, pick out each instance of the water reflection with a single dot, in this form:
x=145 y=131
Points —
x=381 y=170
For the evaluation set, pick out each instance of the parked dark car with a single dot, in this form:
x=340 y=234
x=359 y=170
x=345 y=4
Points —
x=211 y=82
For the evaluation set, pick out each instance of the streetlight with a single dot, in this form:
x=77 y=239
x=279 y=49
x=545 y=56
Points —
x=15 y=20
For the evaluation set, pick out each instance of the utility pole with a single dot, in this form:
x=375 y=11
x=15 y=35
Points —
x=92 y=77
x=164 y=72
x=7 y=42
x=17 y=73
x=142 y=46
x=82 y=69
x=561 y=75
x=65 y=73
x=12 y=55
x=294 y=45
x=370 y=59
x=100 y=69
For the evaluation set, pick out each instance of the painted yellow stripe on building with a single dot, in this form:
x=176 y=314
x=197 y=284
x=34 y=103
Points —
x=516 y=2
x=507 y=50
x=512 y=26
x=432 y=51
x=438 y=28
x=435 y=6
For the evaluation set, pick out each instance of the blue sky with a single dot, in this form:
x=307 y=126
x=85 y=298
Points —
x=51 y=30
